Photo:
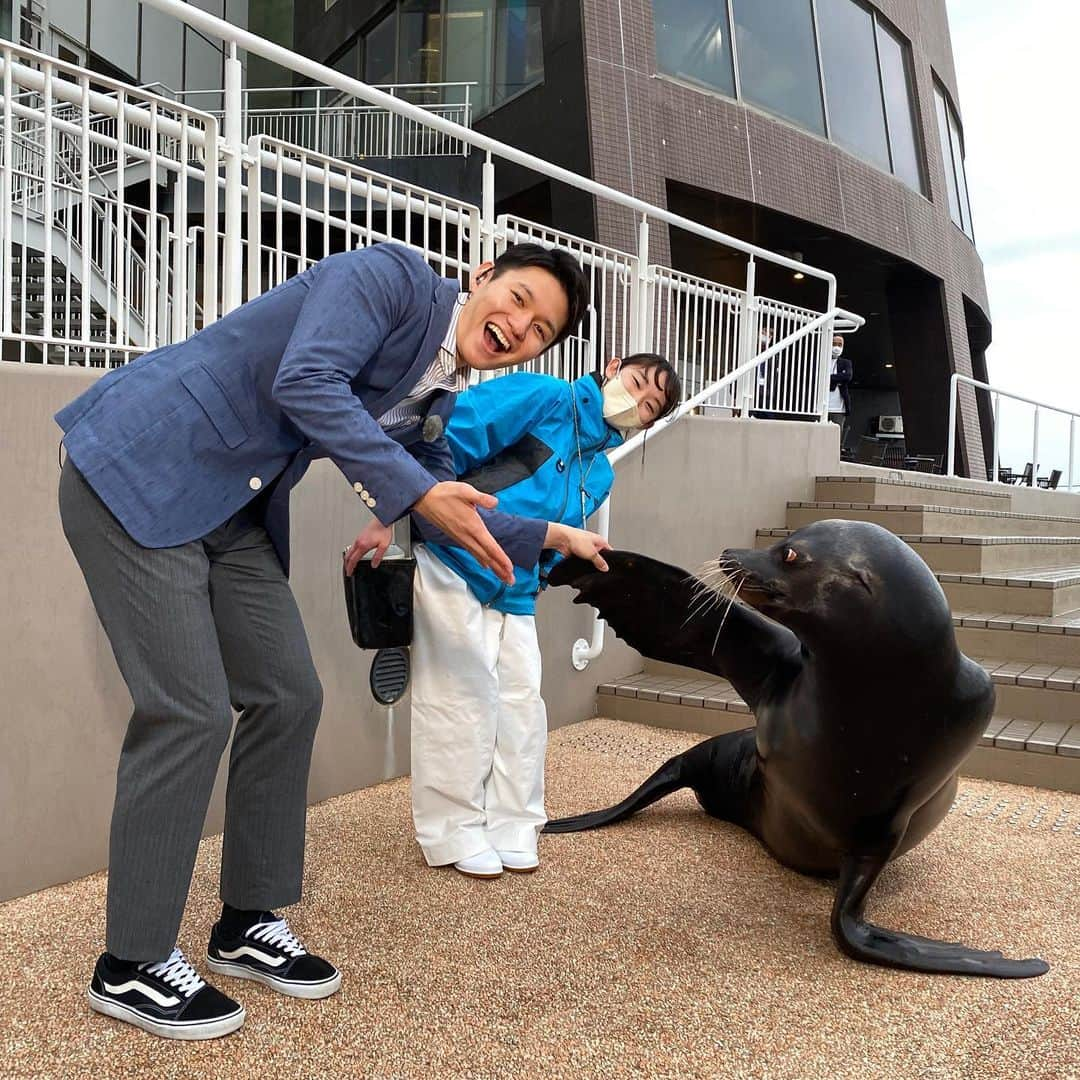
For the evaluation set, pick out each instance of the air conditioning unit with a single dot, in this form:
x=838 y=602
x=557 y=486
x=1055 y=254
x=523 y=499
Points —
x=890 y=426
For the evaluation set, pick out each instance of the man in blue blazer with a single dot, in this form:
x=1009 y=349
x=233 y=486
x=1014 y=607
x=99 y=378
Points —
x=175 y=500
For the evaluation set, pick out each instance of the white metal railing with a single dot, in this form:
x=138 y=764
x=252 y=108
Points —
x=340 y=126
x=302 y=204
x=958 y=380
x=88 y=275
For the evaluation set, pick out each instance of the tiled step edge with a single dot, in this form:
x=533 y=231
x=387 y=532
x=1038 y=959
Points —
x=1030 y=624
x=938 y=538
x=911 y=484
x=1006 y=581
x=1047 y=737
x=928 y=508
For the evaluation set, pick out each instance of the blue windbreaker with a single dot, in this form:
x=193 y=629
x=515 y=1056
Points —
x=514 y=437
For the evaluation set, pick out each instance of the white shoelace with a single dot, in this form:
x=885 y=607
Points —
x=278 y=933
x=177 y=972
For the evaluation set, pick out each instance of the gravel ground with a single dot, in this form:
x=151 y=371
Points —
x=670 y=945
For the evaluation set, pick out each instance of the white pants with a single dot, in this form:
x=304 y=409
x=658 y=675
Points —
x=479 y=726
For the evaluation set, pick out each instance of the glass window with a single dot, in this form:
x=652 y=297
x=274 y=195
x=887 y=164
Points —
x=470 y=27
x=778 y=68
x=203 y=69
x=420 y=46
x=519 y=47
x=380 y=47
x=693 y=42
x=899 y=107
x=163 y=51
x=852 y=88
x=114 y=33
x=348 y=63
x=942 y=110
x=67 y=16
x=961 y=179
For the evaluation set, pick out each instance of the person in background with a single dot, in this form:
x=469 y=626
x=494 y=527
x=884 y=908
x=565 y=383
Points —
x=479 y=726
x=839 y=381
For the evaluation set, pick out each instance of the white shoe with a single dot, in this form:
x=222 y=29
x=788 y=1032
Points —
x=519 y=862
x=485 y=865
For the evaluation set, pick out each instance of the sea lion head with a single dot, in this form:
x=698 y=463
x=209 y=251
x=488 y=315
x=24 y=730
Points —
x=848 y=581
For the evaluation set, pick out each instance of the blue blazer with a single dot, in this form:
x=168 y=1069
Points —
x=179 y=440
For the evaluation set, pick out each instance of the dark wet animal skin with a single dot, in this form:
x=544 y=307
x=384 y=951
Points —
x=842 y=644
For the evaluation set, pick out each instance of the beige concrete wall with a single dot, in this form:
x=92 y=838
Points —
x=705 y=485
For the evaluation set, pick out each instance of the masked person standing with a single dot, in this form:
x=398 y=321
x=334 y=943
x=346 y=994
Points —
x=175 y=500
x=479 y=726
x=839 y=386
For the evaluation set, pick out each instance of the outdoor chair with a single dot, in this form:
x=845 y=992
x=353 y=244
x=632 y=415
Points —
x=1024 y=478
x=1050 y=482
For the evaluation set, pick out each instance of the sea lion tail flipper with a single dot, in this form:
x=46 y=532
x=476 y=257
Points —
x=862 y=940
x=668 y=778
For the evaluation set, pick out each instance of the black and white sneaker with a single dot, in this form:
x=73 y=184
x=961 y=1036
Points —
x=167 y=998
x=270 y=953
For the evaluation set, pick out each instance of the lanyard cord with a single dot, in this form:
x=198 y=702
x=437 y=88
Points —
x=582 y=474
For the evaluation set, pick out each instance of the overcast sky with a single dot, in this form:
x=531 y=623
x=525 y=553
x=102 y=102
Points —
x=1017 y=67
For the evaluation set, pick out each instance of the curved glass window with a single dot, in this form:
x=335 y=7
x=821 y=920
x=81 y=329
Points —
x=961 y=178
x=954 y=199
x=834 y=67
x=896 y=85
x=693 y=42
x=852 y=87
x=778 y=69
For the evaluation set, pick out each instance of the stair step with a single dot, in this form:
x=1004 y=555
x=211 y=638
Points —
x=1043 y=753
x=884 y=489
x=975 y=554
x=917 y=518
x=1035 y=639
x=1041 y=591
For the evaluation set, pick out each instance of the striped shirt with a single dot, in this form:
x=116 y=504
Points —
x=442 y=374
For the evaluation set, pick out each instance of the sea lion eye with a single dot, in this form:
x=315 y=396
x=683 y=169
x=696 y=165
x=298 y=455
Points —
x=790 y=555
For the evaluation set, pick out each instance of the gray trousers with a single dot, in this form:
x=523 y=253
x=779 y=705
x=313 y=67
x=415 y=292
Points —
x=195 y=629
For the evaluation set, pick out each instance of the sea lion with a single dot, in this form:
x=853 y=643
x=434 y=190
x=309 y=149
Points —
x=844 y=650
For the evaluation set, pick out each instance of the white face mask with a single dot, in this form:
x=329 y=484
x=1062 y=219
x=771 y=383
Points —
x=837 y=350
x=620 y=408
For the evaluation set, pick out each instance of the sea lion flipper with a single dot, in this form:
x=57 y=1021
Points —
x=669 y=777
x=873 y=944
x=670 y=615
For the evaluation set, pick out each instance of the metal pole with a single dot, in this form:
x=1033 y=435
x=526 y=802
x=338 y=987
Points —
x=8 y=178
x=950 y=469
x=825 y=357
x=641 y=294
x=234 y=182
x=584 y=651
x=1035 y=451
x=995 y=458
x=1072 y=442
x=744 y=394
x=487 y=211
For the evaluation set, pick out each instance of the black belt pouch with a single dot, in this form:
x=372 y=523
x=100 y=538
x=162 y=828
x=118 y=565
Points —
x=379 y=602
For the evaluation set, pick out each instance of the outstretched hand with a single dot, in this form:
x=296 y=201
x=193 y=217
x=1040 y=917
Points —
x=452 y=507
x=577 y=542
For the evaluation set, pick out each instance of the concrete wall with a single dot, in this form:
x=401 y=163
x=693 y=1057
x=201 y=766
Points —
x=705 y=485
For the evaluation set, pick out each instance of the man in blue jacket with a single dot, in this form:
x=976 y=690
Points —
x=174 y=498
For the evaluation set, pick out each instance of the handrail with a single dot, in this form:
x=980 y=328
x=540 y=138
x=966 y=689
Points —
x=998 y=393
x=584 y=649
x=252 y=43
